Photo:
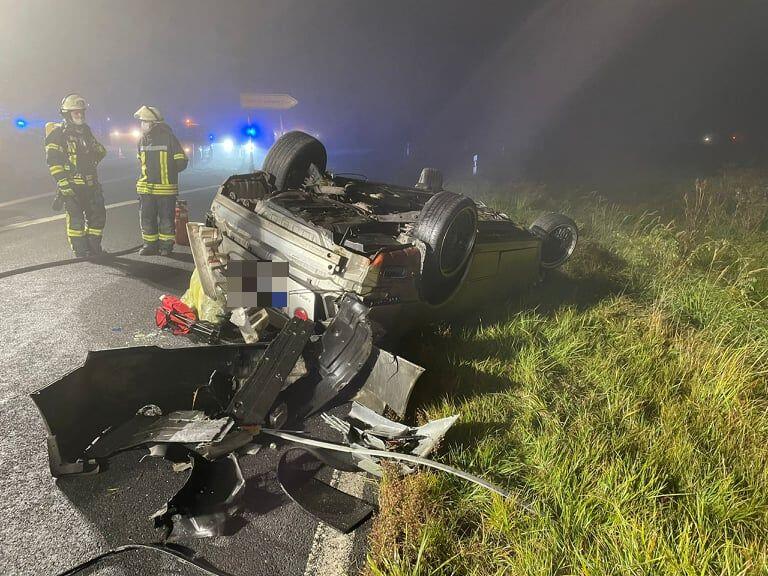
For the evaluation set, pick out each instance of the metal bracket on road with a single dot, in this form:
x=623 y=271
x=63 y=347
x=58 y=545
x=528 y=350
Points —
x=256 y=396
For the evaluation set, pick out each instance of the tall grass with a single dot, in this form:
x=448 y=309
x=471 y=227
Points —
x=626 y=401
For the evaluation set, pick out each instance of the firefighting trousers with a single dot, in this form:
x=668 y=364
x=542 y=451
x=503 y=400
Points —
x=157 y=214
x=85 y=217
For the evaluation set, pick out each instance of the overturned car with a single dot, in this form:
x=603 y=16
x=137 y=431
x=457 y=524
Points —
x=356 y=255
x=413 y=254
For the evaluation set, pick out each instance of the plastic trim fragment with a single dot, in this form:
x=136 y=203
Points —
x=297 y=478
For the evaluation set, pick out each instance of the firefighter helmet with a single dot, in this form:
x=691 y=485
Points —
x=148 y=114
x=73 y=102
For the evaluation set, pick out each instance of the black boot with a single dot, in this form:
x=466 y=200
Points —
x=80 y=247
x=94 y=246
x=148 y=249
x=166 y=248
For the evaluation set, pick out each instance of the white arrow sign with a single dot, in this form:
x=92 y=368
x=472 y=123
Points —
x=257 y=100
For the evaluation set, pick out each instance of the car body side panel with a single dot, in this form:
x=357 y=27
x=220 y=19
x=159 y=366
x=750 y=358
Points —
x=493 y=274
x=505 y=258
x=483 y=265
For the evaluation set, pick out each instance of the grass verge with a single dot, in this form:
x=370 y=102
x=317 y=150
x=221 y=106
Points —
x=626 y=399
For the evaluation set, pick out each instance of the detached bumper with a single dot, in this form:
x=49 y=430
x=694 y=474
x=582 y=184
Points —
x=112 y=385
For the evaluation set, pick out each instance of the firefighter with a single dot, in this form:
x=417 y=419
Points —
x=72 y=154
x=161 y=158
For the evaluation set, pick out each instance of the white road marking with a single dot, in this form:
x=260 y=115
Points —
x=50 y=194
x=25 y=199
x=36 y=221
x=331 y=551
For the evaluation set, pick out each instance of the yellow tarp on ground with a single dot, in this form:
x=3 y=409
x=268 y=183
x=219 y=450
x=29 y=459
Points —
x=205 y=307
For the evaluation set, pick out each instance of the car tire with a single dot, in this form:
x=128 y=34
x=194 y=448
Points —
x=290 y=157
x=447 y=225
x=559 y=235
x=430 y=179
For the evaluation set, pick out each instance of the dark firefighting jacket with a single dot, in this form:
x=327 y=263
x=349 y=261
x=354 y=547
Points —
x=72 y=154
x=161 y=158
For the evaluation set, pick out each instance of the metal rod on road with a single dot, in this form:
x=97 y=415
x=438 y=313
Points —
x=394 y=456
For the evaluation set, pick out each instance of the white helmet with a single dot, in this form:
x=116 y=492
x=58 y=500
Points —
x=148 y=114
x=72 y=102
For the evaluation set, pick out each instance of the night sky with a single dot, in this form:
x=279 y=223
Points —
x=549 y=87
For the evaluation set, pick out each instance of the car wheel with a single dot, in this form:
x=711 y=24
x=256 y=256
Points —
x=448 y=227
x=290 y=157
x=559 y=236
x=430 y=179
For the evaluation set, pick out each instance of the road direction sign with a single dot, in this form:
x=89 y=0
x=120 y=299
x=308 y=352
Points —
x=261 y=101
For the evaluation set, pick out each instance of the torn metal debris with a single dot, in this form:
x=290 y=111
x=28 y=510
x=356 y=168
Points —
x=364 y=428
x=202 y=408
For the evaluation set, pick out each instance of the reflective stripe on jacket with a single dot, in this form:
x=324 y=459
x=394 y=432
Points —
x=72 y=154
x=161 y=158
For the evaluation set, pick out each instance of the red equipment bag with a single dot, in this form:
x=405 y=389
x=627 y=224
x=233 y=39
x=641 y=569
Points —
x=174 y=314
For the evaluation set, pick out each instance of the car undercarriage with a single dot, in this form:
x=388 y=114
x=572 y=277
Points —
x=413 y=254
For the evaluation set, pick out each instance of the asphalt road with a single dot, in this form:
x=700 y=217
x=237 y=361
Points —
x=51 y=317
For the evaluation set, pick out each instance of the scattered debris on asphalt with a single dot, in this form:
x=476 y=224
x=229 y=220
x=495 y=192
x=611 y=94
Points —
x=322 y=446
x=204 y=407
x=374 y=431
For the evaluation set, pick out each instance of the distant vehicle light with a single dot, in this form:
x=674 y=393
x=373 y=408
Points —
x=21 y=123
x=708 y=139
x=211 y=137
x=116 y=133
x=228 y=144
x=136 y=133
x=187 y=149
x=249 y=147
